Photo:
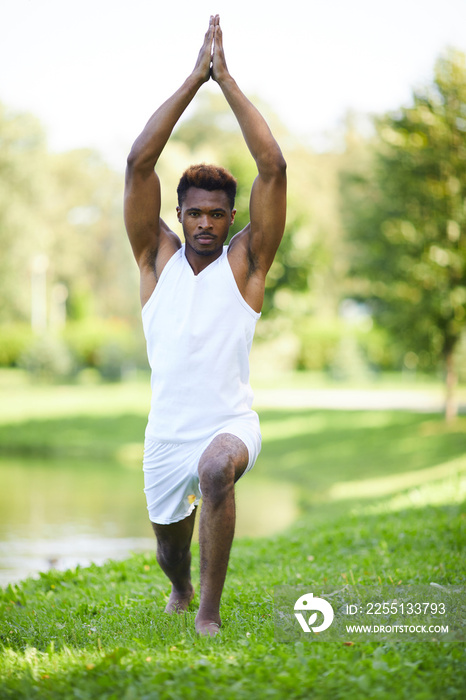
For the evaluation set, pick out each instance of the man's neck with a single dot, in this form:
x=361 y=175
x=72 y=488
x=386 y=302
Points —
x=198 y=261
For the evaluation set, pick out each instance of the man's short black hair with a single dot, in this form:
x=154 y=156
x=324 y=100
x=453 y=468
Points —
x=207 y=177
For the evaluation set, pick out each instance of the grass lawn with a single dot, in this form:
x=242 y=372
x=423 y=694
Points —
x=382 y=500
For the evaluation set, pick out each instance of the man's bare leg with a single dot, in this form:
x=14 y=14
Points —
x=220 y=466
x=174 y=558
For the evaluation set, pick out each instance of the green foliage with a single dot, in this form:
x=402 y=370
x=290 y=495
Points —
x=346 y=350
x=90 y=253
x=109 y=346
x=22 y=189
x=15 y=338
x=407 y=220
x=106 y=345
x=47 y=358
x=68 y=208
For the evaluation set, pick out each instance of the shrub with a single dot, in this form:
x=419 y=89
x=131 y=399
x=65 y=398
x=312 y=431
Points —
x=319 y=340
x=344 y=348
x=105 y=344
x=15 y=338
x=47 y=358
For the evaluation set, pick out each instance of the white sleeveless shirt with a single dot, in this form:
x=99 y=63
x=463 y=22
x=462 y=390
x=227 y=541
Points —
x=199 y=332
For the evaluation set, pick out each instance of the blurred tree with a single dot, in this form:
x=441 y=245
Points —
x=22 y=188
x=64 y=211
x=406 y=217
x=90 y=254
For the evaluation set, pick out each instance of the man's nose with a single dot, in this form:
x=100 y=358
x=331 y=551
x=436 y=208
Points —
x=204 y=222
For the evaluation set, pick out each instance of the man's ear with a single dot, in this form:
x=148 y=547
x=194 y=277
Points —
x=233 y=212
x=178 y=213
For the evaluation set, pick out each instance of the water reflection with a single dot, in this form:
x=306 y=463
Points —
x=56 y=514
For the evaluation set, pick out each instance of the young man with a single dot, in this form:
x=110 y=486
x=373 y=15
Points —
x=201 y=301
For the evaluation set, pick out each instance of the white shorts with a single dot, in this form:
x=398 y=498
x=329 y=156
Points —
x=171 y=478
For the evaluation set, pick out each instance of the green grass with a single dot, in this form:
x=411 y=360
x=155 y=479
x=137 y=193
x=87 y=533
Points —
x=100 y=632
x=382 y=500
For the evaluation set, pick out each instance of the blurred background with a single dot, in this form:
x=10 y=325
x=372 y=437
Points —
x=369 y=106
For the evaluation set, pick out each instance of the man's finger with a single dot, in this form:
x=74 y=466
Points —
x=210 y=32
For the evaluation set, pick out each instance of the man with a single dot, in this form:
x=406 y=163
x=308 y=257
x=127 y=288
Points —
x=201 y=301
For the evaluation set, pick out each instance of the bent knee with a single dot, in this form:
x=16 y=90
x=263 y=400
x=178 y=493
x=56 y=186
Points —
x=222 y=463
x=216 y=478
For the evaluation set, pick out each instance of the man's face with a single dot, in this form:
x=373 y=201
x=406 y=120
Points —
x=206 y=218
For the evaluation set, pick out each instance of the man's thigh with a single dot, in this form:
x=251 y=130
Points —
x=171 y=481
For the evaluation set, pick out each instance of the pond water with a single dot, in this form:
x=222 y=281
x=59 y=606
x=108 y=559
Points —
x=58 y=515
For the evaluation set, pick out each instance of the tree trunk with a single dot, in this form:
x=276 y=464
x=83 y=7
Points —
x=451 y=406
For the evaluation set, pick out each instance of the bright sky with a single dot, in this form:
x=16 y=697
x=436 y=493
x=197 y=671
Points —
x=94 y=71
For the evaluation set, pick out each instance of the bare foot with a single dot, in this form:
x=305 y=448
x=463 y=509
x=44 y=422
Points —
x=207 y=629
x=179 y=602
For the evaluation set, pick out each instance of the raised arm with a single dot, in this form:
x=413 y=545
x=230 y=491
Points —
x=268 y=194
x=150 y=238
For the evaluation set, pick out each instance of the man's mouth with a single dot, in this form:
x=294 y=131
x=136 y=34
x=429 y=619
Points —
x=204 y=237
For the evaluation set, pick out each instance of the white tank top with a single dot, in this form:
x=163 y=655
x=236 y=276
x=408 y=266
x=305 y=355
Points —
x=199 y=332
